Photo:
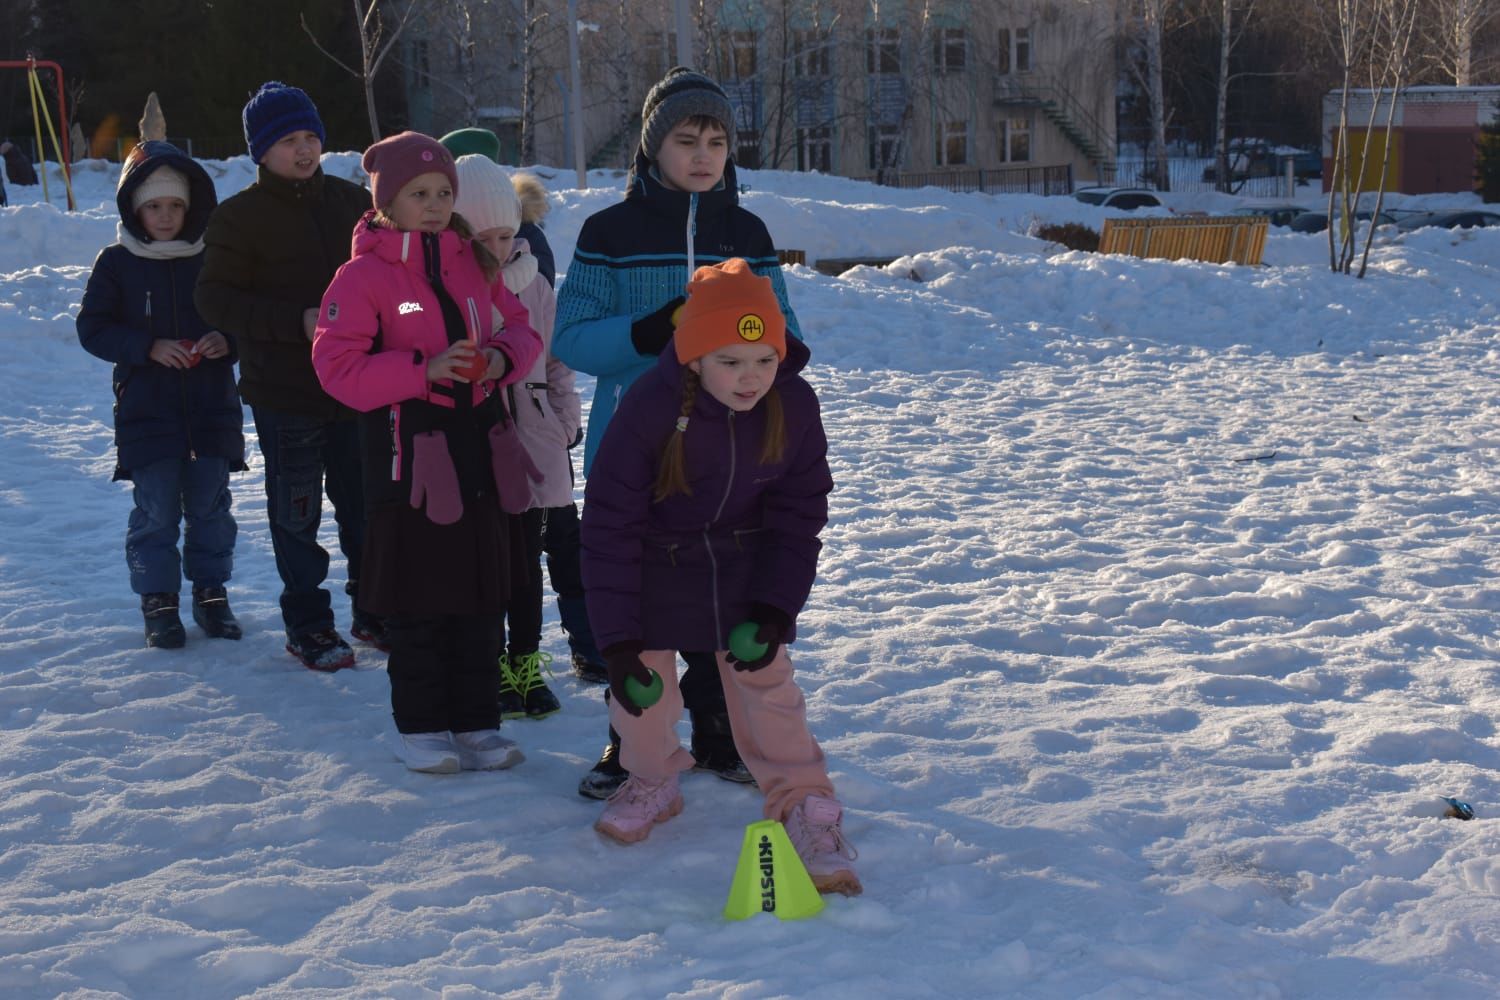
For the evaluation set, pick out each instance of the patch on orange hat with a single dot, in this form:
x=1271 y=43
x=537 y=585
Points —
x=728 y=304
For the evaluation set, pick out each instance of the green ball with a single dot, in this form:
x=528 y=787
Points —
x=644 y=695
x=743 y=644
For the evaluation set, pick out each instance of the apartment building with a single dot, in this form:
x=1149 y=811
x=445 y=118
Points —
x=861 y=88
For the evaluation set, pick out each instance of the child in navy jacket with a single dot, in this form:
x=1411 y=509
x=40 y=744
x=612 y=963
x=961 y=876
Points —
x=178 y=424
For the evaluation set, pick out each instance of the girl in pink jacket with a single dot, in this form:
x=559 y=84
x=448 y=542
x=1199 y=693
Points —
x=407 y=335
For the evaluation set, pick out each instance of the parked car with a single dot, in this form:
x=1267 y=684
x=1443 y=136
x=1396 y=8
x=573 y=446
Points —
x=1471 y=219
x=1253 y=158
x=1279 y=215
x=1124 y=199
x=1316 y=222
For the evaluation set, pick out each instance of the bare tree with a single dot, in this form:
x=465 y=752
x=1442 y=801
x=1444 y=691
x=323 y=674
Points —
x=1372 y=37
x=1142 y=24
x=1451 y=28
x=1396 y=23
x=374 y=46
x=1230 y=33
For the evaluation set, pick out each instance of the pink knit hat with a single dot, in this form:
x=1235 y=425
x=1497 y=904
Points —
x=393 y=162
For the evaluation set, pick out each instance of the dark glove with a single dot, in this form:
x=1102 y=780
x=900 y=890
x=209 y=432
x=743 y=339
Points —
x=622 y=660
x=774 y=625
x=651 y=332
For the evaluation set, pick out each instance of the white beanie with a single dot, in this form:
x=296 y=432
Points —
x=163 y=182
x=486 y=198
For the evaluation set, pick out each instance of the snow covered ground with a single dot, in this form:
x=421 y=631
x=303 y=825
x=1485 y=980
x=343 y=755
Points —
x=1158 y=609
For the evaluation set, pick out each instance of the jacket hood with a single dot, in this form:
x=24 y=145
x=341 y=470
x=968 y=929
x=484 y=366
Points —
x=644 y=183
x=797 y=356
x=142 y=161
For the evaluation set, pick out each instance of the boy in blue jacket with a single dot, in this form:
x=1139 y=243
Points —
x=178 y=424
x=629 y=275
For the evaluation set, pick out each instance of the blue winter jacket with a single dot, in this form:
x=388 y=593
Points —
x=129 y=302
x=634 y=257
x=681 y=573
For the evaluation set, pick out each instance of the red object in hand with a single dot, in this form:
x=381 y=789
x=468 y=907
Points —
x=193 y=356
x=477 y=366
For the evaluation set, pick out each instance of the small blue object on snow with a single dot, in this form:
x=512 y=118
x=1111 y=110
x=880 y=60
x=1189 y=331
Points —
x=1458 y=809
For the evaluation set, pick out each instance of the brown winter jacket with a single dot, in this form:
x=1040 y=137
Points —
x=271 y=251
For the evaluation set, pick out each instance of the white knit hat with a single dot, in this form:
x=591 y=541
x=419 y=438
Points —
x=163 y=182
x=486 y=198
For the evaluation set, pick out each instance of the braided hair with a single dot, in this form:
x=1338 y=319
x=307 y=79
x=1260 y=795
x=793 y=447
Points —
x=671 y=472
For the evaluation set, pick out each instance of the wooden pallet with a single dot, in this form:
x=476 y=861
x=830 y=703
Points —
x=1214 y=239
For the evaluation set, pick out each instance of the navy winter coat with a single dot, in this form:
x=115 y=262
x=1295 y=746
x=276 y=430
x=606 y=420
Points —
x=130 y=301
x=681 y=573
x=632 y=258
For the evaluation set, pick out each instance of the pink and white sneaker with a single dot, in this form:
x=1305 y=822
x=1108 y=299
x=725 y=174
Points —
x=816 y=831
x=637 y=806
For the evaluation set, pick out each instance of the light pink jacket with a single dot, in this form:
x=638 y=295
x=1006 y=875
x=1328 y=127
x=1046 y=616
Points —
x=545 y=404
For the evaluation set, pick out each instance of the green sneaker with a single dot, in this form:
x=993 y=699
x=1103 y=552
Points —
x=523 y=693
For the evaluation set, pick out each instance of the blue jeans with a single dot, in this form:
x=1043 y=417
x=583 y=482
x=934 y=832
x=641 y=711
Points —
x=167 y=493
x=303 y=456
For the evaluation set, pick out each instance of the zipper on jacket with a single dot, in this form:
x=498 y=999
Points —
x=531 y=389
x=395 y=420
x=692 y=230
x=713 y=563
x=187 y=413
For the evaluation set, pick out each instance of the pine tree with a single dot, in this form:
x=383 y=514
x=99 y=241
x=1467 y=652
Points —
x=1487 y=167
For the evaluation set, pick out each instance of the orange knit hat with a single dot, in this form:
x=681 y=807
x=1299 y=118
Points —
x=728 y=304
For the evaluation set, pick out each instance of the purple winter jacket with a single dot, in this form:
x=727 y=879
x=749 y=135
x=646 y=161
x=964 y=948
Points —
x=681 y=573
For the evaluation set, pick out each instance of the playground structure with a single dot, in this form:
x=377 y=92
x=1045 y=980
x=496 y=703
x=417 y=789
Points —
x=40 y=114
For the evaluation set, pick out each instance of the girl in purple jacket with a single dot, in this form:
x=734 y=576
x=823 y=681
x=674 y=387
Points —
x=405 y=335
x=702 y=512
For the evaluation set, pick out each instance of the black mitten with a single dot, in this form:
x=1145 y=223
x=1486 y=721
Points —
x=773 y=626
x=622 y=660
x=651 y=332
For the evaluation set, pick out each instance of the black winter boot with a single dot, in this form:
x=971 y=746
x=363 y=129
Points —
x=713 y=747
x=211 y=612
x=607 y=775
x=588 y=665
x=163 y=628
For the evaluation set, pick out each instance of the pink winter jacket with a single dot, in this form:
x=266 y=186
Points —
x=545 y=405
x=383 y=291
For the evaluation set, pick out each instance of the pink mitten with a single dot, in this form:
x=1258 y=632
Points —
x=434 y=479
x=513 y=468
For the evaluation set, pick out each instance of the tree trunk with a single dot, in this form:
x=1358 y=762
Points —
x=1151 y=16
x=528 y=83
x=1221 y=97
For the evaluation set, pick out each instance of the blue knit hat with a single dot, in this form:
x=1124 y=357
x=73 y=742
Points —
x=275 y=110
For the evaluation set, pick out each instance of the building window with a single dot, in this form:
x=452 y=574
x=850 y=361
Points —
x=1013 y=53
x=747 y=149
x=815 y=149
x=950 y=49
x=741 y=48
x=883 y=50
x=811 y=54
x=1015 y=140
x=883 y=145
x=952 y=144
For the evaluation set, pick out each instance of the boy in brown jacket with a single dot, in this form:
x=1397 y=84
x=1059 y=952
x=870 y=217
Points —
x=271 y=251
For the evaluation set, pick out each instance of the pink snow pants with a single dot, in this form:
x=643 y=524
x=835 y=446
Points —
x=769 y=719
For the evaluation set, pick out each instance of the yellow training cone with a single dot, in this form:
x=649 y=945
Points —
x=770 y=877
